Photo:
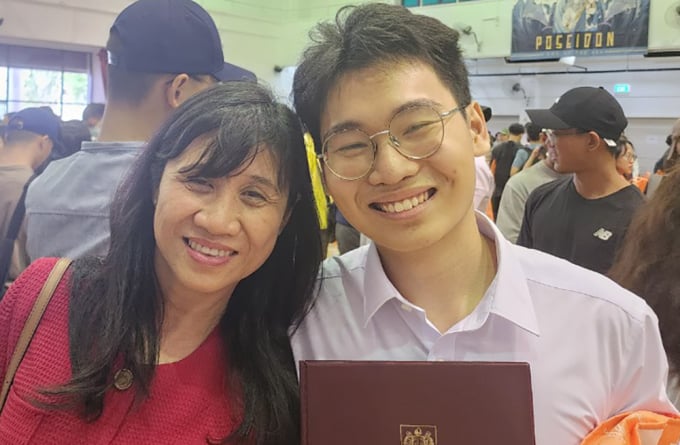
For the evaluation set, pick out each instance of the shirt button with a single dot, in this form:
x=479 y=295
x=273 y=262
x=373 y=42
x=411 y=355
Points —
x=122 y=380
x=406 y=307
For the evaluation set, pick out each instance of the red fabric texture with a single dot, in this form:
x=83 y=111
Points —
x=187 y=403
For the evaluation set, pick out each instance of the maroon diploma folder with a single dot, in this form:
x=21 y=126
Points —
x=416 y=403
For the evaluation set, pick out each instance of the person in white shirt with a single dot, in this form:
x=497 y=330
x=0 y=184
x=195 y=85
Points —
x=385 y=95
x=484 y=184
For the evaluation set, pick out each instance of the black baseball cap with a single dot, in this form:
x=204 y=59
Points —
x=38 y=120
x=171 y=36
x=586 y=108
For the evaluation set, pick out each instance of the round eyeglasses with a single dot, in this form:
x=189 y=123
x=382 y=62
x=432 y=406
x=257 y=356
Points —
x=415 y=132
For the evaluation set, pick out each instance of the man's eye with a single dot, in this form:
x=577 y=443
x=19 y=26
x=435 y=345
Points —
x=350 y=149
x=418 y=127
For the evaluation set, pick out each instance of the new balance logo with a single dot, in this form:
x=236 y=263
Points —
x=603 y=234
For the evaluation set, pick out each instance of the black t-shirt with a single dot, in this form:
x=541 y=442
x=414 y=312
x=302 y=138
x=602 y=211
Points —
x=587 y=232
x=503 y=154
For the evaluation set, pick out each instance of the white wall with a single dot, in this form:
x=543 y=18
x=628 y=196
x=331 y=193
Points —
x=251 y=31
x=259 y=34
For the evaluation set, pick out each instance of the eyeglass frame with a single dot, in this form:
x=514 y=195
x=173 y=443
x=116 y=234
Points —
x=392 y=140
x=551 y=134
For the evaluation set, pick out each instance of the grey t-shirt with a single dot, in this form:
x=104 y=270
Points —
x=67 y=206
x=514 y=198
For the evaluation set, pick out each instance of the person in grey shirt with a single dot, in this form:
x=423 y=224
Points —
x=516 y=192
x=158 y=58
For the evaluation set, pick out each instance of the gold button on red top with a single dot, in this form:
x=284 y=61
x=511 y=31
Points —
x=122 y=380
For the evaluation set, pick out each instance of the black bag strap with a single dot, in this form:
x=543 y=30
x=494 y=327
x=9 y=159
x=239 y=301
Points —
x=12 y=232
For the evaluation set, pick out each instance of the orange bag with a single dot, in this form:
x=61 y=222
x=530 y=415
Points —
x=636 y=428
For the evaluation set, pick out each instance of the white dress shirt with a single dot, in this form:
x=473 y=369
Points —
x=484 y=184
x=593 y=347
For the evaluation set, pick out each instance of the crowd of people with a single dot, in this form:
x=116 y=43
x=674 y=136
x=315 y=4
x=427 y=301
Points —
x=198 y=279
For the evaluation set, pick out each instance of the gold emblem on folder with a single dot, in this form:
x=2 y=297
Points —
x=418 y=434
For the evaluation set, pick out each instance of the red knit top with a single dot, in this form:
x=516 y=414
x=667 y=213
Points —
x=187 y=403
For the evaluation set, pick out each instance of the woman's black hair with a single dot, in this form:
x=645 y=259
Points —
x=116 y=307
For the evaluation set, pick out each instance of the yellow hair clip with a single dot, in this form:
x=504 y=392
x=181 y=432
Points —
x=317 y=183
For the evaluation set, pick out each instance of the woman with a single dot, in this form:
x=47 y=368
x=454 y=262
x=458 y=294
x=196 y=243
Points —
x=625 y=159
x=214 y=251
x=647 y=264
x=674 y=149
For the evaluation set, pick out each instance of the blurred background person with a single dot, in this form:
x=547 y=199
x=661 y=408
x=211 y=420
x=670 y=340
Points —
x=625 y=159
x=92 y=116
x=484 y=182
x=30 y=137
x=658 y=166
x=502 y=158
x=525 y=151
x=518 y=189
x=536 y=144
x=73 y=134
x=670 y=161
x=145 y=85
x=647 y=265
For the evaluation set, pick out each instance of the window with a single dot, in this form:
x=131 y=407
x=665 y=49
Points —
x=33 y=77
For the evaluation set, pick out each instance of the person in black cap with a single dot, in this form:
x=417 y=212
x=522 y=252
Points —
x=30 y=137
x=160 y=53
x=582 y=218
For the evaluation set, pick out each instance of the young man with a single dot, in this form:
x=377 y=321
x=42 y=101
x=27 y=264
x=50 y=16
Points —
x=504 y=157
x=92 y=116
x=161 y=52
x=385 y=95
x=30 y=136
x=582 y=218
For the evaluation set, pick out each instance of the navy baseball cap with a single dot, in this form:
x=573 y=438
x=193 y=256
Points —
x=168 y=37
x=586 y=108
x=39 y=120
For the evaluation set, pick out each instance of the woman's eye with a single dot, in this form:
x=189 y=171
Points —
x=200 y=185
x=254 y=195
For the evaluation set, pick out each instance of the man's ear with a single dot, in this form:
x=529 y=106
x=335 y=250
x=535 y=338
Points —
x=595 y=141
x=477 y=126
x=175 y=92
x=46 y=146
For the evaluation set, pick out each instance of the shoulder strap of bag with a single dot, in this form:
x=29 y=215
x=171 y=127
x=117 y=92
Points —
x=32 y=324
x=13 y=232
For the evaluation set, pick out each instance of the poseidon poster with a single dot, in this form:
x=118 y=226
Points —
x=547 y=29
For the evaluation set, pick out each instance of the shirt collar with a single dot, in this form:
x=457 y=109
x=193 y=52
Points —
x=378 y=289
x=123 y=145
x=510 y=292
x=507 y=297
